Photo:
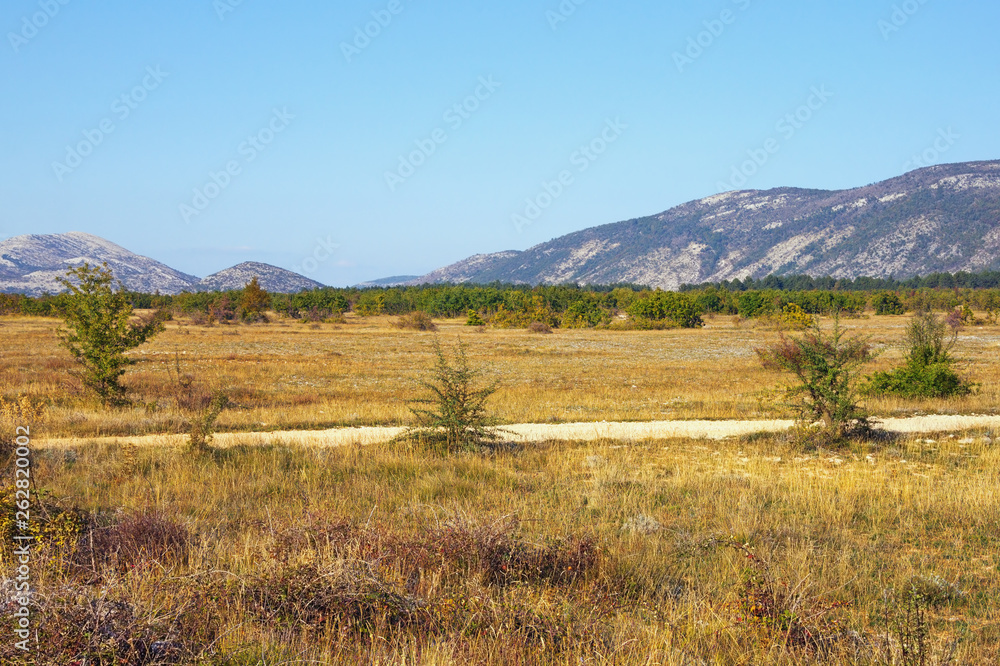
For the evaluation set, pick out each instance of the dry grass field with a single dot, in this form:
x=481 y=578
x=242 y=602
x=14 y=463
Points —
x=290 y=375
x=673 y=552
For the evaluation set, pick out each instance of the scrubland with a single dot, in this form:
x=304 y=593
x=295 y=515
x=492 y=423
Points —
x=290 y=375
x=747 y=550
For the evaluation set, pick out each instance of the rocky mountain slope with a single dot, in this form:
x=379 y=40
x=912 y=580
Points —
x=271 y=278
x=32 y=264
x=942 y=218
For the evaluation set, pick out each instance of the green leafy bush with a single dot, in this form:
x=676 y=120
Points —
x=673 y=309
x=887 y=303
x=585 y=314
x=927 y=372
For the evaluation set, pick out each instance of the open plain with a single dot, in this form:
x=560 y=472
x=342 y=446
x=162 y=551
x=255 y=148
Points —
x=644 y=549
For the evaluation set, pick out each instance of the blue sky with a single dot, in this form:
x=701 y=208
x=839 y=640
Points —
x=280 y=132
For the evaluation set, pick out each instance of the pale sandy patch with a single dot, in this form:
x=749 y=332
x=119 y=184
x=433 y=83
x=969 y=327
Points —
x=530 y=432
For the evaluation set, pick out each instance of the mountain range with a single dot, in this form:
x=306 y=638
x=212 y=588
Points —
x=32 y=265
x=938 y=219
x=942 y=218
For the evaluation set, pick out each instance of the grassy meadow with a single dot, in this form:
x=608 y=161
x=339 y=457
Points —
x=673 y=552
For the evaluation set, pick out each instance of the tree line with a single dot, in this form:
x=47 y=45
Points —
x=570 y=306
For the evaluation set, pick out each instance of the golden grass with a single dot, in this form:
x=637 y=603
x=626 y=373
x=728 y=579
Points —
x=840 y=530
x=290 y=375
x=615 y=551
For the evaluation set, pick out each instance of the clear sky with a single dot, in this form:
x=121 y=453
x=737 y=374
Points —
x=281 y=132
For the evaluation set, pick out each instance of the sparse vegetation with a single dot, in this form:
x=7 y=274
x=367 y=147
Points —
x=203 y=424
x=384 y=554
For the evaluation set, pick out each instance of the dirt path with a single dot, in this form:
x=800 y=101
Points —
x=528 y=432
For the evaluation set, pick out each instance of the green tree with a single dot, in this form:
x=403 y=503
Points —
x=887 y=303
x=827 y=369
x=456 y=415
x=99 y=330
x=254 y=302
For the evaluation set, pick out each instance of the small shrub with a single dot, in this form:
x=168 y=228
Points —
x=51 y=524
x=99 y=330
x=776 y=612
x=908 y=639
x=539 y=327
x=458 y=418
x=136 y=539
x=827 y=369
x=203 y=425
x=927 y=372
x=474 y=319
x=23 y=411
x=417 y=321
x=791 y=318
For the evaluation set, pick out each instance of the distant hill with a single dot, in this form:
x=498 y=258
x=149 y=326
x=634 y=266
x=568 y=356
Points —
x=939 y=219
x=394 y=281
x=271 y=278
x=31 y=264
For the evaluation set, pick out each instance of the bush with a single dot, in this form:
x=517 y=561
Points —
x=585 y=314
x=474 y=319
x=539 y=327
x=99 y=332
x=523 y=312
x=927 y=372
x=135 y=539
x=203 y=425
x=676 y=310
x=417 y=321
x=827 y=369
x=887 y=303
x=792 y=318
x=458 y=418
